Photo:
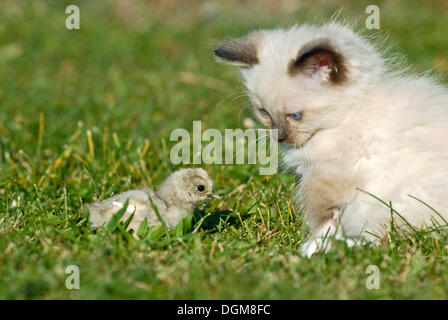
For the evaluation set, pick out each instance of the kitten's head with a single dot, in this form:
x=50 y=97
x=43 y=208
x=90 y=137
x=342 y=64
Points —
x=304 y=79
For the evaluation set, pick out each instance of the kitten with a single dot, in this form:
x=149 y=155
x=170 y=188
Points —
x=176 y=198
x=347 y=122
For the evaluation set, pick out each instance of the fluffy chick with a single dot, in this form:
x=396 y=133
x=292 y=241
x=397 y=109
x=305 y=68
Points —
x=176 y=197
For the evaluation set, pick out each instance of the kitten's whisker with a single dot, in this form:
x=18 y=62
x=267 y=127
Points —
x=233 y=96
x=246 y=147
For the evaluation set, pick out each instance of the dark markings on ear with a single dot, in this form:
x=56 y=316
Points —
x=320 y=54
x=241 y=51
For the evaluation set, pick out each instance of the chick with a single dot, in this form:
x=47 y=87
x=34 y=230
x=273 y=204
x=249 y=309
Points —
x=176 y=197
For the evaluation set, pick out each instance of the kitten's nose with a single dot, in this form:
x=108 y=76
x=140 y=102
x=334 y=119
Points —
x=279 y=134
x=281 y=138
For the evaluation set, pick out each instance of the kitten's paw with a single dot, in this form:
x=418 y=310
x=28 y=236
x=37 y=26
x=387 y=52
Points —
x=313 y=245
x=317 y=244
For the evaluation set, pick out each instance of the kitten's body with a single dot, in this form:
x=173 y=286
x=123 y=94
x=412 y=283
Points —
x=360 y=127
x=390 y=147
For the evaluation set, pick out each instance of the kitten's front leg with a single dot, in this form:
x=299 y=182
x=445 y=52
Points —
x=320 y=239
x=323 y=196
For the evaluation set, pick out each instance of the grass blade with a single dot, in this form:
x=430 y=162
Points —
x=391 y=208
x=156 y=210
x=115 y=220
x=434 y=210
x=143 y=229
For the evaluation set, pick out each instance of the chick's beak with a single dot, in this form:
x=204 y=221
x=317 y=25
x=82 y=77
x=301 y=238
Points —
x=215 y=196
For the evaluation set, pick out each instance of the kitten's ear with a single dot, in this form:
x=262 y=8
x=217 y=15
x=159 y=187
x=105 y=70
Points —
x=241 y=52
x=319 y=59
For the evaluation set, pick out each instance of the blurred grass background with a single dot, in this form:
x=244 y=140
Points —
x=88 y=113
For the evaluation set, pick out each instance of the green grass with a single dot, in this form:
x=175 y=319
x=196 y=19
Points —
x=86 y=114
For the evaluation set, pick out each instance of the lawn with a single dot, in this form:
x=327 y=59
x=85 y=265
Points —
x=88 y=113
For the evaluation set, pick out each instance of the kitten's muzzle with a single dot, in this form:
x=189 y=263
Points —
x=279 y=133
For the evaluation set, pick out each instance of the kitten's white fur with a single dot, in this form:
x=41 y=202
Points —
x=382 y=131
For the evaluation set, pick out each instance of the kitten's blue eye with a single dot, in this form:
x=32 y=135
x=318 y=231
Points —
x=264 y=113
x=295 y=116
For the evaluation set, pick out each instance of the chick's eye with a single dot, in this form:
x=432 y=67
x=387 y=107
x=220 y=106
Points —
x=264 y=113
x=295 y=116
x=201 y=187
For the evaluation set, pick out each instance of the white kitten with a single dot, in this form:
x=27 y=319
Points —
x=347 y=123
